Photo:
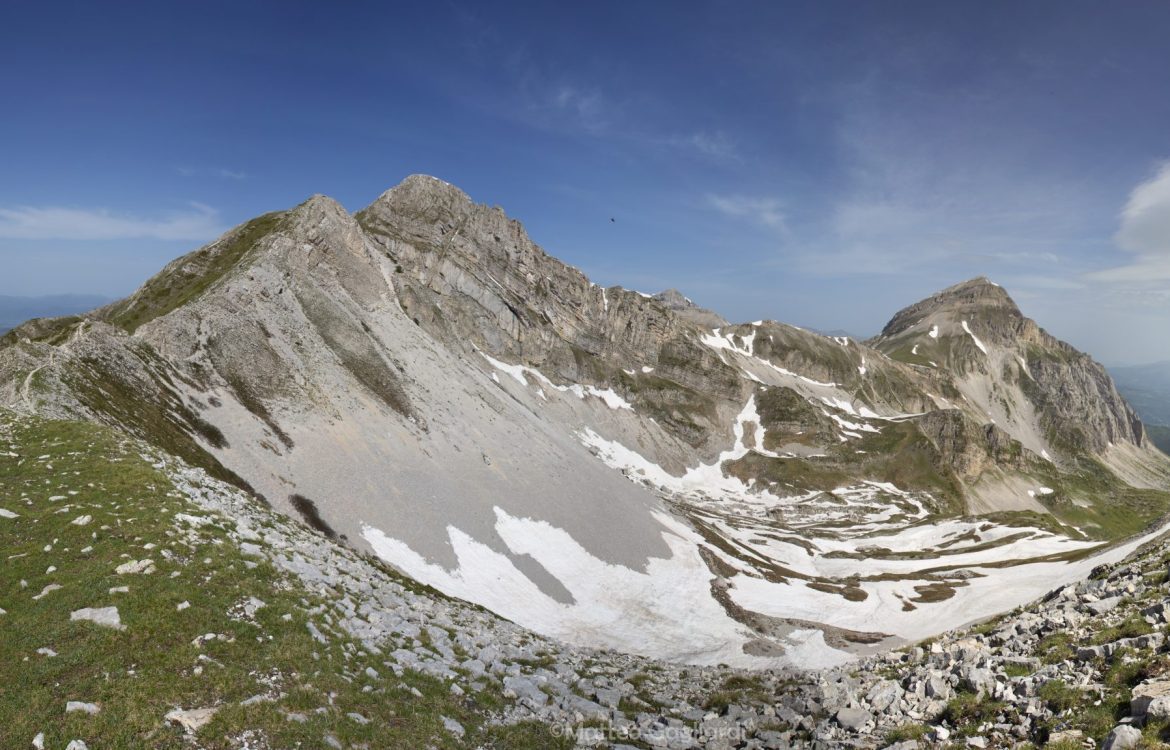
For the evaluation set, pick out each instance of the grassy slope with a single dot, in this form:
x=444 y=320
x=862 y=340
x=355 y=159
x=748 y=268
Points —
x=190 y=276
x=138 y=675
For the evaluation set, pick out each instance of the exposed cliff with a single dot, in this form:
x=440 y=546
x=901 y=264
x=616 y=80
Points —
x=429 y=384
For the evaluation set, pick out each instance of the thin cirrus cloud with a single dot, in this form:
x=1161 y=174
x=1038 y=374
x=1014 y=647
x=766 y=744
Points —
x=199 y=222
x=589 y=110
x=1145 y=233
x=219 y=172
x=714 y=145
x=766 y=211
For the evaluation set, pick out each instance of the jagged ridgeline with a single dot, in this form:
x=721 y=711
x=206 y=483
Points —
x=424 y=382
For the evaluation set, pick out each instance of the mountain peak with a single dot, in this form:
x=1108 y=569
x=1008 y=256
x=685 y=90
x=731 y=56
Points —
x=979 y=289
x=419 y=191
x=679 y=303
x=970 y=299
x=317 y=206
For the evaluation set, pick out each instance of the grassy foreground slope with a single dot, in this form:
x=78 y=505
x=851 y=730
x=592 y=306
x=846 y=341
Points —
x=207 y=623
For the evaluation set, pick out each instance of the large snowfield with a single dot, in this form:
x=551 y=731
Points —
x=875 y=535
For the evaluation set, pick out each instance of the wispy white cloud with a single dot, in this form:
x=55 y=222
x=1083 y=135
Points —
x=1047 y=283
x=766 y=211
x=715 y=145
x=220 y=172
x=587 y=108
x=920 y=194
x=1144 y=233
x=199 y=222
x=582 y=108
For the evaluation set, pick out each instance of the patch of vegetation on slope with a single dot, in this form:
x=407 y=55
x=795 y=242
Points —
x=355 y=348
x=900 y=454
x=312 y=516
x=1093 y=499
x=187 y=278
x=108 y=391
x=788 y=417
x=80 y=503
x=685 y=412
x=52 y=331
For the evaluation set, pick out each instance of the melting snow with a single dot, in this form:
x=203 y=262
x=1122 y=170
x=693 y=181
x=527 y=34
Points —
x=706 y=479
x=974 y=338
x=845 y=406
x=855 y=427
x=521 y=374
x=933 y=332
x=614 y=606
x=719 y=342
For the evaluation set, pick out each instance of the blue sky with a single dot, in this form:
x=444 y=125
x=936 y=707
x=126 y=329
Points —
x=821 y=163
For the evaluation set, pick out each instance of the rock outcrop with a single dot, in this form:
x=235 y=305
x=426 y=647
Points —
x=422 y=381
x=1006 y=362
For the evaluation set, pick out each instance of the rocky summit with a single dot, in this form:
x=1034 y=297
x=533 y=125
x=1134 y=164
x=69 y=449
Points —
x=401 y=478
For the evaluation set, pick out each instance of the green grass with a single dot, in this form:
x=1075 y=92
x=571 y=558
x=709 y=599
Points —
x=139 y=674
x=1017 y=670
x=117 y=392
x=1132 y=627
x=190 y=276
x=906 y=732
x=737 y=689
x=1093 y=498
x=1059 y=696
x=968 y=710
x=1055 y=648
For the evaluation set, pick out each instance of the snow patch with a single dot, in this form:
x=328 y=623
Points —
x=974 y=338
x=613 y=606
x=521 y=374
x=727 y=343
x=704 y=479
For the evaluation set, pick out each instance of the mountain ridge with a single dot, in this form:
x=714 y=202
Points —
x=451 y=397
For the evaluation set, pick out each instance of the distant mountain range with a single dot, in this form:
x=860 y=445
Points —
x=14 y=310
x=1147 y=388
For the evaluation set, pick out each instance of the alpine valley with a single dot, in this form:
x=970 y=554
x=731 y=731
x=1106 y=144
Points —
x=530 y=502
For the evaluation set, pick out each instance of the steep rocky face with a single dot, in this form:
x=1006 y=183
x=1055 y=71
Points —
x=674 y=301
x=427 y=383
x=469 y=275
x=1057 y=401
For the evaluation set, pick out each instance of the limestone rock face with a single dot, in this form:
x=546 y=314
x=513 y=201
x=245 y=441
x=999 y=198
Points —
x=423 y=381
x=471 y=276
x=472 y=273
x=675 y=301
x=1056 y=400
x=968 y=448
